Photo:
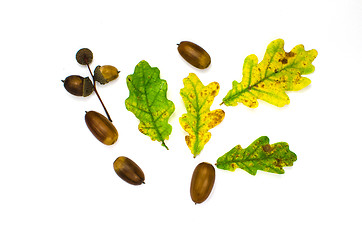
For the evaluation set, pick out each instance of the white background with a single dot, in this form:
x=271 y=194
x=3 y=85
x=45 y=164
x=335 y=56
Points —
x=57 y=181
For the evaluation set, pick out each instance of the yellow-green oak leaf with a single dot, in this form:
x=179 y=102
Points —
x=259 y=155
x=199 y=119
x=268 y=80
x=148 y=101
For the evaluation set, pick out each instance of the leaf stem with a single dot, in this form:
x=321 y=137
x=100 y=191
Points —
x=95 y=90
x=163 y=144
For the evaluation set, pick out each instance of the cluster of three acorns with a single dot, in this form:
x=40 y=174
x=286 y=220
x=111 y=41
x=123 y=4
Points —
x=102 y=128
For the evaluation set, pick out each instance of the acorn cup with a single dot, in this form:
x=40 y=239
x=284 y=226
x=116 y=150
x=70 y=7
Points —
x=84 y=56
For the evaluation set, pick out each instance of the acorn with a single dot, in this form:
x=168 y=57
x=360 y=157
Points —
x=129 y=171
x=194 y=54
x=78 y=85
x=84 y=56
x=101 y=127
x=202 y=182
x=105 y=74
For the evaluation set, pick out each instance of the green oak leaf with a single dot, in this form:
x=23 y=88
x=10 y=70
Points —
x=260 y=155
x=268 y=80
x=148 y=101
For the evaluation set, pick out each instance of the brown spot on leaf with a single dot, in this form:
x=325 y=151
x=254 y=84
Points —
x=279 y=163
x=290 y=54
x=233 y=165
x=188 y=141
x=267 y=148
x=284 y=61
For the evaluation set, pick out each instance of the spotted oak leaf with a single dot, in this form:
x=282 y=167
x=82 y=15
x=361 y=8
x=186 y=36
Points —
x=199 y=119
x=278 y=72
x=260 y=155
x=148 y=101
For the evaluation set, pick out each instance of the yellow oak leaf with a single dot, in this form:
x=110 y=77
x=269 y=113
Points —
x=278 y=72
x=199 y=119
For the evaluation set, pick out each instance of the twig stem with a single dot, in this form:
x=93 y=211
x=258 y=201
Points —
x=95 y=90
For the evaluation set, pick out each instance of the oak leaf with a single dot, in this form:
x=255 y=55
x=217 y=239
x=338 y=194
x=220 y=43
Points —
x=260 y=155
x=278 y=72
x=148 y=101
x=199 y=119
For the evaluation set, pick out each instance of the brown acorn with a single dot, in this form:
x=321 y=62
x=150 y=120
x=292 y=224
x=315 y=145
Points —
x=129 y=171
x=194 y=54
x=202 y=182
x=78 y=85
x=101 y=127
x=105 y=74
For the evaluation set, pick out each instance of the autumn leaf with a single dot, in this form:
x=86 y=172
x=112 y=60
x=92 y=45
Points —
x=199 y=119
x=260 y=155
x=278 y=72
x=147 y=100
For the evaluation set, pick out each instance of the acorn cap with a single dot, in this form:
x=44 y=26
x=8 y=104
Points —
x=87 y=87
x=84 y=56
x=98 y=76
